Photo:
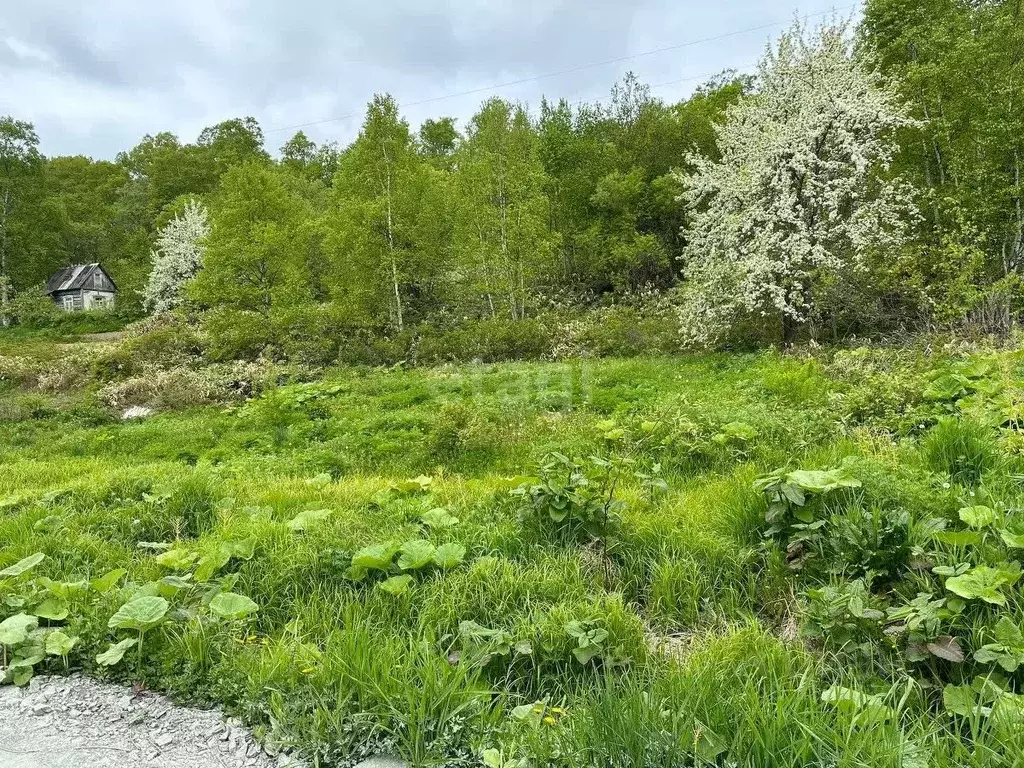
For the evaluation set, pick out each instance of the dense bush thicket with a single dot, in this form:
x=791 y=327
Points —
x=488 y=240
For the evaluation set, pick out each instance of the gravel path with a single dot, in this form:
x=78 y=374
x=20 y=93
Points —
x=76 y=722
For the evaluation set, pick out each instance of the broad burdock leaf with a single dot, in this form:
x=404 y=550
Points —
x=439 y=518
x=115 y=653
x=149 y=589
x=232 y=606
x=946 y=387
x=140 y=614
x=420 y=484
x=1009 y=634
x=963 y=700
x=864 y=708
x=984 y=582
x=169 y=586
x=59 y=644
x=14 y=629
x=1012 y=538
x=415 y=554
x=108 y=581
x=449 y=555
x=210 y=563
x=523 y=648
x=1008 y=650
x=587 y=653
x=27 y=659
x=375 y=558
x=397 y=585
x=958 y=538
x=709 y=745
x=494 y=641
x=23 y=566
x=822 y=481
x=979 y=516
x=53 y=609
x=242 y=549
x=177 y=559
x=65 y=590
x=307 y=519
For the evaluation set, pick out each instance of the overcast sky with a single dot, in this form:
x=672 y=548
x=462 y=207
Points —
x=95 y=76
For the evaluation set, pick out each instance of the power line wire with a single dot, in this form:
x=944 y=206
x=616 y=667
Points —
x=570 y=70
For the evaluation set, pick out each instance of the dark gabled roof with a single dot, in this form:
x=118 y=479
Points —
x=74 y=277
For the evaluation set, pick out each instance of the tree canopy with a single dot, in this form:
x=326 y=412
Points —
x=860 y=180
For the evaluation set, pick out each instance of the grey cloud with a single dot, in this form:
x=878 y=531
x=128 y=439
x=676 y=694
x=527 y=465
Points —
x=180 y=64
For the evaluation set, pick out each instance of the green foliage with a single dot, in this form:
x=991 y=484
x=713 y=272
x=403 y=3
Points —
x=960 y=448
x=794 y=498
x=984 y=582
x=113 y=655
x=387 y=215
x=414 y=554
x=14 y=630
x=232 y=606
x=1007 y=650
x=960 y=154
x=307 y=519
x=575 y=498
x=140 y=614
x=679 y=645
x=23 y=566
x=256 y=254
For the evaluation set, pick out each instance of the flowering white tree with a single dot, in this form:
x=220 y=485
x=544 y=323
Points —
x=177 y=258
x=800 y=192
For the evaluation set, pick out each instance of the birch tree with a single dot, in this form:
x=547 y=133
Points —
x=800 y=193
x=177 y=258
x=959 y=66
x=19 y=161
x=502 y=237
x=383 y=196
x=256 y=250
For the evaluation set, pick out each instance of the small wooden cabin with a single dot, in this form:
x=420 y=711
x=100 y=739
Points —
x=82 y=286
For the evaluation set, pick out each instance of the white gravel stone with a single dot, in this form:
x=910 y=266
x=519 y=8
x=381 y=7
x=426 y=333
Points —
x=136 y=412
x=78 y=722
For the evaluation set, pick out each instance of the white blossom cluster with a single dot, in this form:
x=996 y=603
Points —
x=800 y=189
x=177 y=258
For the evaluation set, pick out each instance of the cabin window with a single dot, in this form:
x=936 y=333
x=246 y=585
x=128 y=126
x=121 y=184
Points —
x=97 y=280
x=69 y=303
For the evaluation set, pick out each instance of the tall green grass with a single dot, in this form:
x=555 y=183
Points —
x=700 y=665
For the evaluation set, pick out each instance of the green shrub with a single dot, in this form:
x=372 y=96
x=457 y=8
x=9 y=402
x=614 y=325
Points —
x=626 y=331
x=870 y=542
x=961 y=448
x=114 y=364
x=165 y=346
x=237 y=335
x=32 y=308
x=25 y=407
x=796 y=384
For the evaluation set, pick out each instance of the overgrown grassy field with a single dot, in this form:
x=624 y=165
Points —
x=592 y=563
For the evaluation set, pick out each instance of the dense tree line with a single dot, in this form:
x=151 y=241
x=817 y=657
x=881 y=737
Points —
x=859 y=182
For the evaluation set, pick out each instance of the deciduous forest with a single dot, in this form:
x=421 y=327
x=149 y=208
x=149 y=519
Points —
x=862 y=182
